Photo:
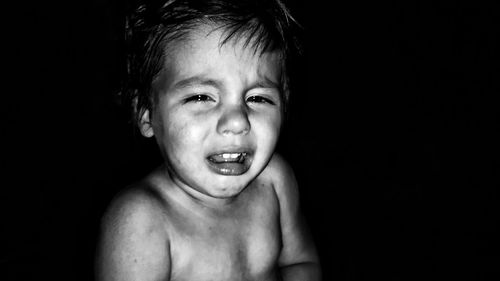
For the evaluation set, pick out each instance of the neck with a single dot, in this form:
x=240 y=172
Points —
x=173 y=188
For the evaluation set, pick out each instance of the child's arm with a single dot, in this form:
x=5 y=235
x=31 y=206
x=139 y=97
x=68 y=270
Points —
x=133 y=246
x=298 y=259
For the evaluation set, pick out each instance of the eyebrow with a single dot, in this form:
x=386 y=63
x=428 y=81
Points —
x=265 y=83
x=203 y=81
x=197 y=81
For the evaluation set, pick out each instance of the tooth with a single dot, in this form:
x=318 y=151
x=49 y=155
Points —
x=226 y=155
x=234 y=155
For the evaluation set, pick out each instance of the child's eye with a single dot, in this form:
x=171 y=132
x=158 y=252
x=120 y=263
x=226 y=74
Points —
x=260 y=99
x=198 y=98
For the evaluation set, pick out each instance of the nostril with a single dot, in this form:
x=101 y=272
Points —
x=234 y=122
x=236 y=132
x=236 y=128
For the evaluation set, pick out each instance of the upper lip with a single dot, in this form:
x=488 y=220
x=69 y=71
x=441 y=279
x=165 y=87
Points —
x=234 y=149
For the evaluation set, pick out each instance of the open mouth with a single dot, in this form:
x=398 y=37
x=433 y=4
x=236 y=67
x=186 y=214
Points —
x=229 y=163
x=228 y=157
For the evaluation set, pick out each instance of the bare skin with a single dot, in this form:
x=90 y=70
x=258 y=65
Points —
x=155 y=231
x=224 y=206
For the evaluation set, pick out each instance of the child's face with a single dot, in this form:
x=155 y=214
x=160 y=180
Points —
x=217 y=114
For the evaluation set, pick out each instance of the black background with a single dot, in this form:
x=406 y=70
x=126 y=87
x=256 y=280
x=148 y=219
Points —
x=391 y=135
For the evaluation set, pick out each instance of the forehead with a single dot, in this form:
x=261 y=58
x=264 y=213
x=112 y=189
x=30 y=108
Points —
x=207 y=49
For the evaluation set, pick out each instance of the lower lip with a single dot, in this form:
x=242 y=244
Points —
x=229 y=169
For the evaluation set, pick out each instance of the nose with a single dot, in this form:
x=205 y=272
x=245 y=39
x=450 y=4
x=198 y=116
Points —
x=234 y=120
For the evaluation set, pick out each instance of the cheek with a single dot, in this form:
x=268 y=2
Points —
x=268 y=127
x=186 y=134
x=179 y=146
x=274 y=121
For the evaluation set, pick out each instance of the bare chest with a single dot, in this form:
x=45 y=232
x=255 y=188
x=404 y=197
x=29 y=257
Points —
x=243 y=246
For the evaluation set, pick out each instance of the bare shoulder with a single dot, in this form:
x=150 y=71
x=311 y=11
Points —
x=137 y=204
x=281 y=176
x=298 y=257
x=133 y=241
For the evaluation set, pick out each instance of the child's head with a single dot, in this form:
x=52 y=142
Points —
x=210 y=83
x=156 y=25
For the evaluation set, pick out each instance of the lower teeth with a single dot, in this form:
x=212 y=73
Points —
x=240 y=159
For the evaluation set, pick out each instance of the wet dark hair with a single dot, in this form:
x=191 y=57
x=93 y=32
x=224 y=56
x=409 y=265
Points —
x=154 y=25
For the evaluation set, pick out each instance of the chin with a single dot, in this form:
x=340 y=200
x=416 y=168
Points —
x=228 y=190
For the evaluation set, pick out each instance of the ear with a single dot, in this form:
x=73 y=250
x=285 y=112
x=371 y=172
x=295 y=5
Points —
x=145 y=125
